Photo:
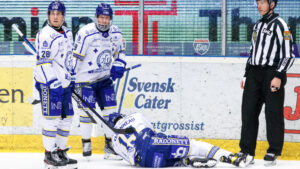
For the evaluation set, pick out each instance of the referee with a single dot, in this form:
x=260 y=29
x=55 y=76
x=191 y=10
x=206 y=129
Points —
x=263 y=83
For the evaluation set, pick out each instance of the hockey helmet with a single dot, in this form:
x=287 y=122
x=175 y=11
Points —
x=104 y=9
x=57 y=6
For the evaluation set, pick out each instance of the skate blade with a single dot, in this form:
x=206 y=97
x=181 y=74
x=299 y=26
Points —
x=87 y=158
x=48 y=166
x=112 y=157
x=242 y=164
x=208 y=164
x=269 y=163
x=71 y=166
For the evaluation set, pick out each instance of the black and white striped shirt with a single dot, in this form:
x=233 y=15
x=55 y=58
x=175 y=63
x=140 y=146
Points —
x=271 y=44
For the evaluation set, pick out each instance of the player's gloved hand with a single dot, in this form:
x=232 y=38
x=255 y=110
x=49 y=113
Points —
x=111 y=118
x=118 y=69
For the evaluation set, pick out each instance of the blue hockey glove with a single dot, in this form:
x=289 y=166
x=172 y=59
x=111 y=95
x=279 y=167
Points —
x=112 y=118
x=118 y=69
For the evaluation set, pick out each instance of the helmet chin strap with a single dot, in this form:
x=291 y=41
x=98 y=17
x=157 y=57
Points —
x=268 y=13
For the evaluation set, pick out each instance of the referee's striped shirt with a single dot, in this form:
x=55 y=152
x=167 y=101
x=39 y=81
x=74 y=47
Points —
x=271 y=44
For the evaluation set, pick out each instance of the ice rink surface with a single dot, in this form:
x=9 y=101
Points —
x=35 y=161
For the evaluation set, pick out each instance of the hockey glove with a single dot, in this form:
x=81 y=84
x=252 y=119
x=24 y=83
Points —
x=118 y=69
x=112 y=118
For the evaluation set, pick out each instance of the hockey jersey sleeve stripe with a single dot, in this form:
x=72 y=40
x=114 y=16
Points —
x=78 y=56
x=43 y=61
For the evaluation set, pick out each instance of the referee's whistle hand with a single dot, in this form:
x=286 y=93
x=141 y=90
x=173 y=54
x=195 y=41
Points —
x=242 y=84
x=275 y=84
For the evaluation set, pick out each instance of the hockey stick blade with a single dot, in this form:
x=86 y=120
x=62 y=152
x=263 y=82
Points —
x=119 y=131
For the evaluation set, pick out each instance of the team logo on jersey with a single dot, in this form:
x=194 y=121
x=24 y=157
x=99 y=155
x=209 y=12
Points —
x=104 y=59
x=201 y=46
x=45 y=44
x=287 y=35
x=68 y=61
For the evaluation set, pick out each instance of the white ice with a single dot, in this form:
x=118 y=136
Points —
x=35 y=161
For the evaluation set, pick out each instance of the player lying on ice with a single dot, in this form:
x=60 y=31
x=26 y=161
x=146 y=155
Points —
x=146 y=148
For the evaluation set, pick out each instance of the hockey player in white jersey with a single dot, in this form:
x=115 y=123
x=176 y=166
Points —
x=54 y=45
x=146 y=148
x=100 y=54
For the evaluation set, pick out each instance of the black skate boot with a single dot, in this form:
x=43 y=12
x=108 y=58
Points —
x=86 y=147
x=109 y=152
x=249 y=159
x=199 y=162
x=270 y=159
x=235 y=159
x=52 y=160
x=71 y=163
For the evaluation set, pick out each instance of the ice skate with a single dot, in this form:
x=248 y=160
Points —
x=109 y=152
x=199 y=162
x=270 y=159
x=71 y=163
x=235 y=159
x=52 y=160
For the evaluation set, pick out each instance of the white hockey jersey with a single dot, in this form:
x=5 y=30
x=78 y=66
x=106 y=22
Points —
x=124 y=144
x=95 y=51
x=54 y=55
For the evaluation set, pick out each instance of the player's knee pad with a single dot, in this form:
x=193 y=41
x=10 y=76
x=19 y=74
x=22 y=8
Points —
x=50 y=127
x=83 y=117
x=64 y=127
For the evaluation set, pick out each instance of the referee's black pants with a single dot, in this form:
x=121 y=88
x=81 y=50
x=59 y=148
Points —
x=257 y=92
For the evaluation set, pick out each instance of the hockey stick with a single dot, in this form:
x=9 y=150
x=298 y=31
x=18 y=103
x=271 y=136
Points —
x=35 y=101
x=120 y=131
x=29 y=46
x=108 y=76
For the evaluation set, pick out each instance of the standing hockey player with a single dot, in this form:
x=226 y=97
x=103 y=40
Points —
x=146 y=148
x=100 y=54
x=54 y=45
x=270 y=57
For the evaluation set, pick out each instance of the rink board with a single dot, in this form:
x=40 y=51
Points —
x=195 y=96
